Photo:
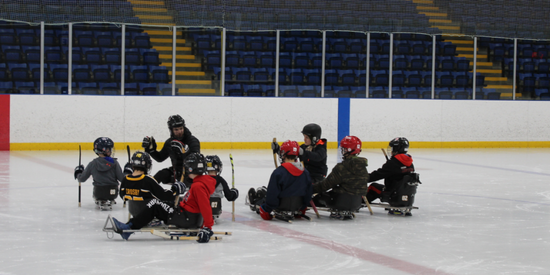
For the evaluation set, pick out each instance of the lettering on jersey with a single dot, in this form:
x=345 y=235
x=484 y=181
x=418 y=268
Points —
x=112 y=191
x=133 y=192
x=214 y=204
x=404 y=169
x=164 y=206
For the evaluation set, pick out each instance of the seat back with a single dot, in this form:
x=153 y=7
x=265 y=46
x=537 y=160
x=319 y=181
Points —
x=290 y=204
x=346 y=202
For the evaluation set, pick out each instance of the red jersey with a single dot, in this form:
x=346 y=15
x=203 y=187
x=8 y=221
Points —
x=197 y=199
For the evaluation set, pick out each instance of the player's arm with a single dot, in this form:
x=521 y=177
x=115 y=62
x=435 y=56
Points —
x=333 y=179
x=87 y=171
x=163 y=154
x=230 y=194
x=382 y=172
x=316 y=156
x=159 y=192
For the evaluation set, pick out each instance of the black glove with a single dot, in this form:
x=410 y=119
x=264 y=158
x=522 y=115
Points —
x=128 y=169
x=149 y=144
x=275 y=147
x=235 y=194
x=178 y=187
x=204 y=235
x=78 y=170
x=178 y=147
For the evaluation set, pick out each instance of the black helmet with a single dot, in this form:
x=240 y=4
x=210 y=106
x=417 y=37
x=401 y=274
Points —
x=103 y=145
x=214 y=163
x=194 y=164
x=175 y=121
x=141 y=160
x=399 y=145
x=313 y=131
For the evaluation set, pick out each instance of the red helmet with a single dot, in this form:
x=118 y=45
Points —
x=350 y=145
x=289 y=148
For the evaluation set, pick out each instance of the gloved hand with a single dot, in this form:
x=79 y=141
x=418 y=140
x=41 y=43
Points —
x=235 y=194
x=178 y=187
x=266 y=216
x=149 y=144
x=204 y=235
x=275 y=147
x=178 y=147
x=128 y=169
x=301 y=152
x=78 y=170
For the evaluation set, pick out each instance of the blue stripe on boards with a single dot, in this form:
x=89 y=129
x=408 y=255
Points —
x=343 y=117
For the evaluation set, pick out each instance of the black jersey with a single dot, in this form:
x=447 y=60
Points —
x=143 y=187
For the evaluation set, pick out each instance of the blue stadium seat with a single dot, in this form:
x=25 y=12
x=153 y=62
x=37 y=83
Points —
x=19 y=71
x=82 y=73
x=92 y=55
x=101 y=73
x=313 y=76
x=331 y=77
x=150 y=57
x=59 y=72
x=104 y=39
x=285 y=60
x=6 y=87
x=253 y=90
x=117 y=71
x=159 y=74
x=296 y=76
x=148 y=88
x=131 y=89
x=84 y=38
x=111 y=55
x=232 y=59
x=141 y=40
x=32 y=53
x=88 y=88
x=249 y=59
x=27 y=87
x=12 y=53
x=288 y=91
x=234 y=90
x=139 y=73
x=301 y=60
x=133 y=57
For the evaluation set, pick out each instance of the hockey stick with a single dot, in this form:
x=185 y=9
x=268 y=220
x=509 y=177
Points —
x=368 y=205
x=182 y=238
x=275 y=154
x=385 y=155
x=128 y=150
x=79 y=183
x=232 y=185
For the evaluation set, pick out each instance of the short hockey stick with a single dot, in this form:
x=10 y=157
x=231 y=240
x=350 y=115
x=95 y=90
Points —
x=79 y=183
x=368 y=205
x=232 y=185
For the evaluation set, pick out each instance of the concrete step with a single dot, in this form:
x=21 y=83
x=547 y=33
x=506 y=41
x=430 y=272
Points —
x=182 y=65
x=157 y=33
x=155 y=17
x=179 y=41
x=188 y=73
x=150 y=9
x=194 y=82
x=178 y=56
x=191 y=91
x=170 y=48
x=146 y=3
x=434 y=14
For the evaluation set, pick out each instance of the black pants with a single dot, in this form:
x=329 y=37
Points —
x=375 y=191
x=166 y=212
x=166 y=175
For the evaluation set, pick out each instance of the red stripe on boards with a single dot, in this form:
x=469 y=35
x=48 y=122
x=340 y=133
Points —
x=4 y=122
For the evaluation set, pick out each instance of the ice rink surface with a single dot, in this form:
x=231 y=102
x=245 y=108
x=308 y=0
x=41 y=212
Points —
x=482 y=211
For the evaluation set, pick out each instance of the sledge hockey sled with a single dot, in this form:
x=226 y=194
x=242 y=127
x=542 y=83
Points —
x=105 y=205
x=406 y=210
x=166 y=232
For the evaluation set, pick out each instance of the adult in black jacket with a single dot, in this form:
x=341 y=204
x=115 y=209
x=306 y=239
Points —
x=393 y=171
x=180 y=144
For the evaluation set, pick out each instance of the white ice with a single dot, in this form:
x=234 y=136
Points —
x=482 y=211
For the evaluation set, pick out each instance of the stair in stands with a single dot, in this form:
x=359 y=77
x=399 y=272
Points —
x=491 y=71
x=439 y=18
x=190 y=80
